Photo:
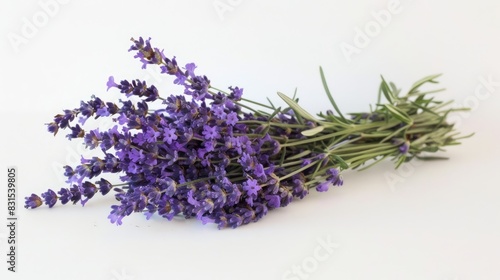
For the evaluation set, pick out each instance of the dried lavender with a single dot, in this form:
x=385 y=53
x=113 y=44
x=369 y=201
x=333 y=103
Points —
x=223 y=159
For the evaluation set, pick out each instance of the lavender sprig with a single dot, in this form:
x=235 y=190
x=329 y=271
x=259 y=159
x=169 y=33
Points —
x=218 y=157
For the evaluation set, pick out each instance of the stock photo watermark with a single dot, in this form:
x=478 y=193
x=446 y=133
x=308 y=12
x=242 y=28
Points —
x=30 y=26
x=398 y=176
x=11 y=221
x=222 y=7
x=121 y=275
x=485 y=88
x=368 y=31
x=74 y=154
x=323 y=251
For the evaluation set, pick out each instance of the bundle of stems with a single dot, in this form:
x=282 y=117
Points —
x=221 y=158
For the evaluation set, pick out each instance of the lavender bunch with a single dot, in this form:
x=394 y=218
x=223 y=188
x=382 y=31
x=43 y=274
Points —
x=215 y=156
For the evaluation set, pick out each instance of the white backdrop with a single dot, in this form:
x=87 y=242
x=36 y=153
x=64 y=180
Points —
x=436 y=221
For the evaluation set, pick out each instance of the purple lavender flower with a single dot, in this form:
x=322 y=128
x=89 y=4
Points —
x=219 y=112
x=247 y=161
x=63 y=120
x=116 y=215
x=52 y=127
x=169 y=135
x=210 y=132
x=92 y=139
x=306 y=161
x=232 y=118
x=403 y=149
x=323 y=187
x=251 y=187
x=273 y=201
x=236 y=93
x=33 y=201
x=104 y=186
x=234 y=220
x=299 y=189
x=198 y=88
x=50 y=198
x=334 y=177
x=111 y=83
x=192 y=200
x=102 y=112
x=259 y=172
x=76 y=195
x=76 y=132
x=89 y=189
x=190 y=69
x=64 y=195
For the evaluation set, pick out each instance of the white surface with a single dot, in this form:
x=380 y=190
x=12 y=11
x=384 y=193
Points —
x=440 y=221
